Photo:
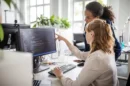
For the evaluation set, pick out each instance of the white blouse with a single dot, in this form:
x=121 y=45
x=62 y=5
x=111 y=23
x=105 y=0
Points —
x=99 y=69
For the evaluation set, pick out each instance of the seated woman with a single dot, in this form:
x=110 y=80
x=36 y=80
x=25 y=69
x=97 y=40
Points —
x=100 y=67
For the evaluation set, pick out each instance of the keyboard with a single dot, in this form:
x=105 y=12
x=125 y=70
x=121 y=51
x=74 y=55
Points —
x=64 y=68
x=36 y=82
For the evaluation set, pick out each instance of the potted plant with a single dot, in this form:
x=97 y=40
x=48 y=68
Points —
x=64 y=23
x=8 y=2
x=53 y=21
x=41 y=21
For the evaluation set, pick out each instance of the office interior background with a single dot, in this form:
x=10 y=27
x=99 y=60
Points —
x=73 y=10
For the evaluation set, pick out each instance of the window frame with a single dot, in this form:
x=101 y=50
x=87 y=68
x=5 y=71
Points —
x=37 y=5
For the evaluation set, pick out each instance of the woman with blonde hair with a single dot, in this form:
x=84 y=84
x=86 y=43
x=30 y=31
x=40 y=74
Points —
x=100 y=67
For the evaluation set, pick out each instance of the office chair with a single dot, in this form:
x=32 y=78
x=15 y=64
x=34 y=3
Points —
x=79 y=41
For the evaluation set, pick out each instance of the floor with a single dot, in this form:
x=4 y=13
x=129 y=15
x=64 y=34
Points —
x=122 y=71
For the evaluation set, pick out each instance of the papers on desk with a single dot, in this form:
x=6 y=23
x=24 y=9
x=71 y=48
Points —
x=126 y=49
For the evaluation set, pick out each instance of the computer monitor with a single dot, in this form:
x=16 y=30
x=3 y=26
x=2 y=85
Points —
x=39 y=41
x=9 y=35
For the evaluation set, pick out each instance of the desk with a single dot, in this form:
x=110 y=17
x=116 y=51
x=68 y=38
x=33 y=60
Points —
x=126 y=50
x=71 y=74
x=55 y=82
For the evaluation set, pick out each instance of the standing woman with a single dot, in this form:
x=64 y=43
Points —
x=95 y=10
x=100 y=67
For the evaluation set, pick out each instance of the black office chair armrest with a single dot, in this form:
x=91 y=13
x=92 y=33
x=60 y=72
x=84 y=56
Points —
x=75 y=42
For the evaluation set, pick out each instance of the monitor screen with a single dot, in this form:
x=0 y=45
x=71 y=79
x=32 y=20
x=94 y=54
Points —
x=9 y=35
x=39 y=41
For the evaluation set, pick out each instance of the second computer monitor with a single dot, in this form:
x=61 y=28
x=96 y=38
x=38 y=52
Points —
x=39 y=41
x=10 y=30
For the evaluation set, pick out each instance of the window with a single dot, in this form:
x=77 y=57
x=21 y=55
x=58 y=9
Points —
x=78 y=11
x=46 y=1
x=78 y=14
x=32 y=13
x=39 y=11
x=39 y=7
x=103 y=2
x=32 y=2
x=39 y=2
x=47 y=11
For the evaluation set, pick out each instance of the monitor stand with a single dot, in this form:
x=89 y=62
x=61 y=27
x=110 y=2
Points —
x=37 y=67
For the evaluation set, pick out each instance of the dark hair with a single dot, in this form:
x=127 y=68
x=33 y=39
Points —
x=104 y=12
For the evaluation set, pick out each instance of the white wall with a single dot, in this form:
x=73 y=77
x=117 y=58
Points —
x=124 y=13
x=121 y=11
x=12 y=15
x=55 y=7
x=115 y=9
x=22 y=9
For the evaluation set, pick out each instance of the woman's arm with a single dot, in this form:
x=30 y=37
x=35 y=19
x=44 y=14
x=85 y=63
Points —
x=87 y=76
x=73 y=49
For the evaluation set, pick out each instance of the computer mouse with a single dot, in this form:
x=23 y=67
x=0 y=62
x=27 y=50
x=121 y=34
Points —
x=81 y=64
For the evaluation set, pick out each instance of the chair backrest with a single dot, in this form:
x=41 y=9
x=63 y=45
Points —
x=79 y=37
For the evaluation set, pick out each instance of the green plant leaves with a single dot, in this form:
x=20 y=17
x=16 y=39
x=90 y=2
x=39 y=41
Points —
x=41 y=21
x=1 y=33
x=53 y=21
x=65 y=23
x=8 y=2
x=101 y=2
x=35 y=25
